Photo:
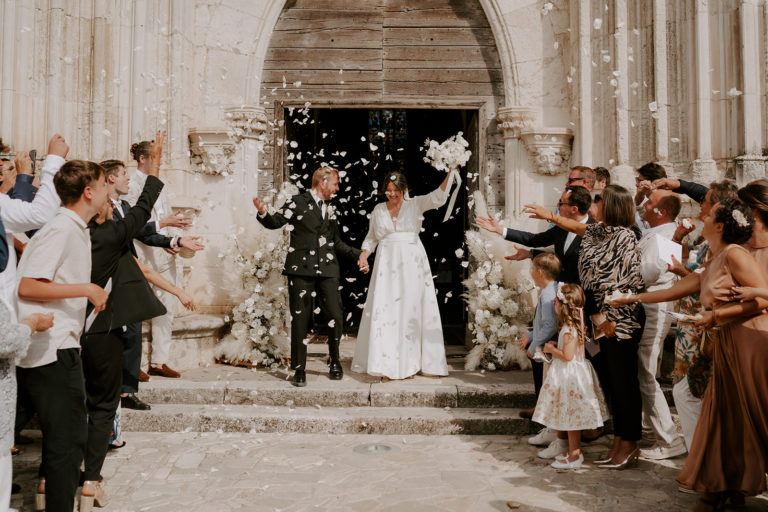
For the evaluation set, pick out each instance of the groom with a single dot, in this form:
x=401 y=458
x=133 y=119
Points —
x=312 y=265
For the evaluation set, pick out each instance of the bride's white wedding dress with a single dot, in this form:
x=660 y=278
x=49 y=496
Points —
x=400 y=331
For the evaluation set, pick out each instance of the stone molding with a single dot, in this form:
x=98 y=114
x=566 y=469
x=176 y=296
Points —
x=247 y=122
x=750 y=168
x=513 y=120
x=550 y=149
x=212 y=152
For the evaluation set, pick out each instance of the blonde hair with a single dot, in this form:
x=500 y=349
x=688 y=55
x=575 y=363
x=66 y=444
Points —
x=549 y=263
x=322 y=174
x=571 y=311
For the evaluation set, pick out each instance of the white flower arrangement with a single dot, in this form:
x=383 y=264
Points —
x=498 y=295
x=450 y=154
x=260 y=334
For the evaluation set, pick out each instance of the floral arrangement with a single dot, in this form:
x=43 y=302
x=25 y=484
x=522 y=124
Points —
x=260 y=334
x=499 y=298
x=450 y=154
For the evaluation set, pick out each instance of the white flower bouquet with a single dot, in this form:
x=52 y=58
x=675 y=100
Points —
x=452 y=153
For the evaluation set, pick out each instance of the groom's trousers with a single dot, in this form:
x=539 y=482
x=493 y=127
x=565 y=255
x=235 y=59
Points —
x=301 y=291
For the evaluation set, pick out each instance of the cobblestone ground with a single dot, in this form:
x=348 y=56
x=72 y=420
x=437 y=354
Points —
x=193 y=472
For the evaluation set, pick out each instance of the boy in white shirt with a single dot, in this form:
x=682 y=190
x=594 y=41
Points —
x=54 y=277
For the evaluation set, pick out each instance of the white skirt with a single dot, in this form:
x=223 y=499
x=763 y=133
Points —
x=400 y=332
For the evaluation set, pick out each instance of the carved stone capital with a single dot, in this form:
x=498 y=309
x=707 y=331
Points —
x=513 y=120
x=211 y=152
x=247 y=122
x=550 y=149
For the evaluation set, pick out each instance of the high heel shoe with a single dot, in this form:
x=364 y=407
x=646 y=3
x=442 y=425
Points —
x=40 y=495
x=92 y=495
x=630 y=461
x=604 y=459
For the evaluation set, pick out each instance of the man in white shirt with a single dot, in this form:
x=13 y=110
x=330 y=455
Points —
x=163 y=260
x=660 y=211
x=54 y=276
x=19 y=216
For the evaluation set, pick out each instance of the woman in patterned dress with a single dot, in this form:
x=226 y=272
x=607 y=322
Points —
x=609 y=262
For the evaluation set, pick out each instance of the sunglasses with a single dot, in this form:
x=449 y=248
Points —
x=562 y=203
x=597 y=198
x=579 y=178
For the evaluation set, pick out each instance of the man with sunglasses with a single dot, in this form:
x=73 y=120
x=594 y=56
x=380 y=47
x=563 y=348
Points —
x=582 y=176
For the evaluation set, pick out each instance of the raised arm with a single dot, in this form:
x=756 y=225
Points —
x=436 y=198
x=19 y=216
x=535 y=211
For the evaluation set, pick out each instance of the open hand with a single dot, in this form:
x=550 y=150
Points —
x=260 y=206
x=520 y=254
x=665 y=184
x=489 y=224
x=156 y=150
x=58 y=146
x=535 y=211
x=191 y=242
x=175 y=220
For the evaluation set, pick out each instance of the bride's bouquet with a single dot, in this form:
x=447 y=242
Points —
x=448 y=156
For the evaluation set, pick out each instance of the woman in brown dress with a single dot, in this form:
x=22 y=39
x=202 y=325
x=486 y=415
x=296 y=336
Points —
x=755 y=194
x=729 y=453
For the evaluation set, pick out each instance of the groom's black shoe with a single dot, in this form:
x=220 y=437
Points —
x=335 y=373
x=299 y=379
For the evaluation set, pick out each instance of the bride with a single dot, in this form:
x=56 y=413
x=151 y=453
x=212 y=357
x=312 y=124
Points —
x=400 y=331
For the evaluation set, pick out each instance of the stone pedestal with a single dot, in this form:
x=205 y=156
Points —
x=194 y=338
x=704 y=171
x=623 y=175
x=749 y=168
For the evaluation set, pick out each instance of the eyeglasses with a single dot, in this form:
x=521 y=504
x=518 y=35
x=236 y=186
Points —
x=562 y=203
x=577 y=178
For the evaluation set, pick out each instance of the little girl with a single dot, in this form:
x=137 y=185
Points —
x=571 y=399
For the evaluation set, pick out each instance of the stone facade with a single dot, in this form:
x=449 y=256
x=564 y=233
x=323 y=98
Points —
x=614 y=83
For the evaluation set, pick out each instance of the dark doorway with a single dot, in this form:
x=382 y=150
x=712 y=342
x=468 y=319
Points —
x=365 y=144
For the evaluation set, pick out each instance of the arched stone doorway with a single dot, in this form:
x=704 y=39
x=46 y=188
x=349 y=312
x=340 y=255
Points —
x=337 y=73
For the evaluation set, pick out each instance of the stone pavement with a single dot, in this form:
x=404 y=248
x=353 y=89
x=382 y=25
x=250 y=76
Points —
x=193 y=472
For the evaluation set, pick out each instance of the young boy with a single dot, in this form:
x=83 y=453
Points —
x=54 y=276
x=544 y=270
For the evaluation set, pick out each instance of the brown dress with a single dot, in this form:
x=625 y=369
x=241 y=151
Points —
x=730 y=447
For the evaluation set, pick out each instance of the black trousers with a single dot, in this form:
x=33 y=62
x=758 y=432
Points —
x=103 y=369
x=131 y=339
x=300 y=292
x=621 y=385
x=56 y=393
x=538 y=376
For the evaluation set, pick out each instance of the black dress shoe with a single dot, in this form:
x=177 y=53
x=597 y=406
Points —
x=133 y=402
x=335 y=373
x=299 y=379
x=15 y=488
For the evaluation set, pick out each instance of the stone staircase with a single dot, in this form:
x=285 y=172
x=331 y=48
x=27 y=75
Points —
x=221 y=398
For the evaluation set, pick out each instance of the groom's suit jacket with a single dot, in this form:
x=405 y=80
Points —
x=569 y=259
x=315 y=242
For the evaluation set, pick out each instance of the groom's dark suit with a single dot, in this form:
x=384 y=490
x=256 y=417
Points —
x=312 y=265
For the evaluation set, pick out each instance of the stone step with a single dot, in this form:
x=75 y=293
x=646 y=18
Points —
x=330 y=420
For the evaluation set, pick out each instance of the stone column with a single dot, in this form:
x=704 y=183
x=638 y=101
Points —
x=513 y=120
x=138 y=69
x=704 y=167
x=660 y=75
x=176 y=128
x=622 y=172
x=751 y=165
x=584 y=136
x=7 y=85
x=249 y=126
x=100 y=88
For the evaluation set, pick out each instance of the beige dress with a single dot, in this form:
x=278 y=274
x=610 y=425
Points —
x=730 y=446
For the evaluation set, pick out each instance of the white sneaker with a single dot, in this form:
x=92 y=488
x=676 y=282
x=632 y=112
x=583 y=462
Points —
x=555 y=448
x=543 y=438
x=564 y=464
x=661 y=451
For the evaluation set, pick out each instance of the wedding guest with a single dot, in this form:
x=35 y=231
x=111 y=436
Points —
x=646 y=175
x=7 y=176
x=610 y=262
x=545 y=268
x=692 y=369
x=581 y=176
x=19 y=216
x=571 y=398
x=312 y=266
x=164 y=260
x=659 y=213
x=14 y=340
x=574 y=204
x=118 y=184
x=723 y=467
x=602 y=178
x=400 y=332
x=54 y=276
x=23 y=187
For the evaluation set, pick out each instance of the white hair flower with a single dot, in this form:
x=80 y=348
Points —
x=740 y=219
